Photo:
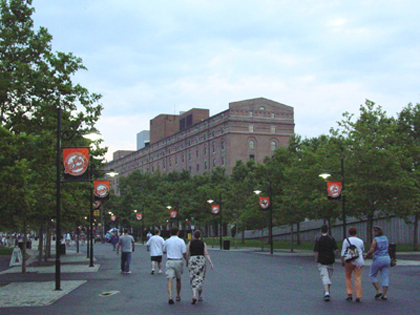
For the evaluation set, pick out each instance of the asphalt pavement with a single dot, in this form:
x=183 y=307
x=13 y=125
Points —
x=247 y=281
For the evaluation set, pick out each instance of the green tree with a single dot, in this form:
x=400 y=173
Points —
x=34 y=82
x=409 y=138
x=374 y=182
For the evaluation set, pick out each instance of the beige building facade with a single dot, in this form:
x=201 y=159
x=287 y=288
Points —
x=194 y=141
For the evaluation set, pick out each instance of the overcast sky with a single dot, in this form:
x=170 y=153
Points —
x=321 y=57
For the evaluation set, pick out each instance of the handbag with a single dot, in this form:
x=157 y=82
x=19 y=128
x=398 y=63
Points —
x=393 y=262
x=392 y=253
x=351 y=253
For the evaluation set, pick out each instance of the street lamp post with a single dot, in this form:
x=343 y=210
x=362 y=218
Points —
x=270 y=225
x=210 y=201
x=342 y=196
x=58 y=207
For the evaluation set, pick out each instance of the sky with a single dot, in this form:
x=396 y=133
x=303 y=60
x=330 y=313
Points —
x=161 y=57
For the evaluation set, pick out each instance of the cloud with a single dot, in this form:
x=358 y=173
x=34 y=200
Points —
x=164 y=56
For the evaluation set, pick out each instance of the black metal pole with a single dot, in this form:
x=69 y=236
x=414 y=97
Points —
x=91 y=216
x=88 y=243
x=58 y=208
x=271 y=220
x=343 y=199
x=221 y=222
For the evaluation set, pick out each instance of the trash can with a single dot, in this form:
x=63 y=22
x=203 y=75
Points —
x=61 y=249
x=226 y=245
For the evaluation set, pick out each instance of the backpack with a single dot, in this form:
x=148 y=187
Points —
x=351 y=253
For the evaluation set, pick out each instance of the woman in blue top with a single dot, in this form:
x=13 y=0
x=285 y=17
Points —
x=381 y=262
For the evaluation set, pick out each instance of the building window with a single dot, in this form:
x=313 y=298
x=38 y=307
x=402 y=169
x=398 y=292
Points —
x=214 y=148
x=170 y=162
x=273 y=145
x=273 y=129
x=196 y=153
x=214 y=162
x=205 y=165
x=176 y=160
x=251 y=128
x=223 y=145
x=251 y=114
x=183 y=158
x=251 y=144
x=223 y=130
x=189 y=169
x=189 y=142
x=252 y=157
x=205 y=150
x=189 y=156
x=223 y=160
x=273 y=115
x=198 y=167
x=196 y=139
x=212 y=133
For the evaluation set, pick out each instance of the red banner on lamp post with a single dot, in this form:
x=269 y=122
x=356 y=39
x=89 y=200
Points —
x=264 y=202
x=101 y=189
x=76 y=163
x=173 y=214
x=113 y=217
x=139 y=216
x=215 y=209
x=334 y=190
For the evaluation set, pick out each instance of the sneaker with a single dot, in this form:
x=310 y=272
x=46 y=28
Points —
x=122 y=271
x=153 y=272
x=357 y=300
x=171 y=301
x=160 y=271
x=349 y=298
x=128 y=272
x=326 y=297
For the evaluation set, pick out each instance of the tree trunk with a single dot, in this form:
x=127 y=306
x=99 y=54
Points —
x=243 y=236
x=369 y=227
x=40 y=244
x=291 y=237
x=416 y=232
x=24 y=243
x=298 y=233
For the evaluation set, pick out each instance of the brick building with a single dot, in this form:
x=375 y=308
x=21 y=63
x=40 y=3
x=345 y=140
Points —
x=250 y=129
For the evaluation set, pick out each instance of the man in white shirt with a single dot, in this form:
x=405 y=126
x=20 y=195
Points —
x=175 y=249
x=155 y=245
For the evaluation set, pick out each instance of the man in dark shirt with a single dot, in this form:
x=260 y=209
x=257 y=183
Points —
x=325 y=249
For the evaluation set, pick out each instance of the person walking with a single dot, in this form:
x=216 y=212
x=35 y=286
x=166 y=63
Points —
x=68 y=239
x=381 y=262
x=196 y=262
x=354 y=266
x=175 y=250
x=126 y=243
x=325 y=250
x=114 y=240
x=155 y=245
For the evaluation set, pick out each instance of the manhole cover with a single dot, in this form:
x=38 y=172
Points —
x=106 y=294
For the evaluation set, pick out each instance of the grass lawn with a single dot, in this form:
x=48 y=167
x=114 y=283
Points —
x=285 y=245
x=5 y=250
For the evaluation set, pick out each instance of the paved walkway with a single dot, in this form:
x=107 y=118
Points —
x=36 y=287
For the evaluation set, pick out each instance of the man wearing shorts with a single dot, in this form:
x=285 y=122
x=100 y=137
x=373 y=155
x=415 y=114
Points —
x=325 y=250
x=175 y=249
x=155 y=245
